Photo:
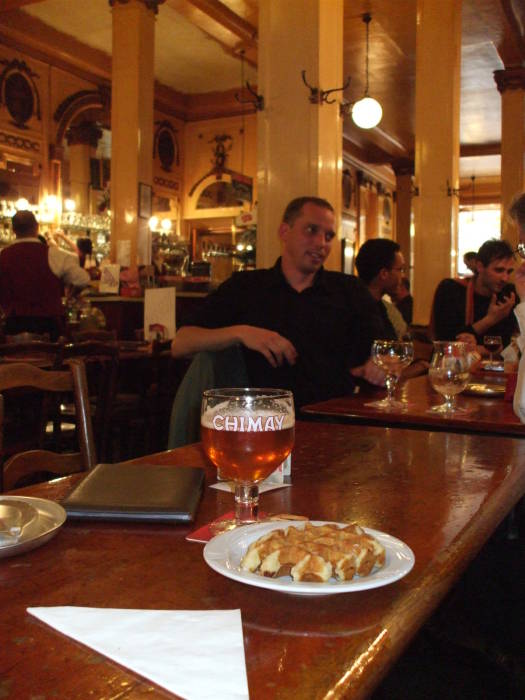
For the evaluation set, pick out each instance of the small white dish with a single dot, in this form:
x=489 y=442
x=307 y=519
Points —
x=224 y=553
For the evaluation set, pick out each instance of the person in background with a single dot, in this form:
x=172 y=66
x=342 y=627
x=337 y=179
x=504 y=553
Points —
x=32 y=277
x=478 y=305
x=517 y=214
x=470 y=261
x=381 y=266
x=300 y=326
x=404 y=300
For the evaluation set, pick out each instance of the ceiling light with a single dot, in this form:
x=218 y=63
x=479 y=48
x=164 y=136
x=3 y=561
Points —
x=367 y=112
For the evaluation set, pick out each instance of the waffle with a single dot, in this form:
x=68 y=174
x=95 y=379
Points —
x=316 y=553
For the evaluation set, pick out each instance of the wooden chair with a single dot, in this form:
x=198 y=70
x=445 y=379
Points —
x=101 y=361
x=102 y=336
x=28 y=463
x=41 y=352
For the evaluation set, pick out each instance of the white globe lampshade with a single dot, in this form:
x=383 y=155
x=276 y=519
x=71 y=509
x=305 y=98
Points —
x=367 y=113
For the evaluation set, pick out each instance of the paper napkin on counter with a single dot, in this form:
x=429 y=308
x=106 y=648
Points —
x=197 y=654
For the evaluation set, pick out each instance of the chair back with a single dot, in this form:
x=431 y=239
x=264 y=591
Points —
x=103 y=336
x=101 y=360
x=71 y=379
x=208 y=370
x=41 y=352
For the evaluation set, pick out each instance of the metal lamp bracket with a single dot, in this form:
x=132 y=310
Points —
x=318 y=96
x=256 y=100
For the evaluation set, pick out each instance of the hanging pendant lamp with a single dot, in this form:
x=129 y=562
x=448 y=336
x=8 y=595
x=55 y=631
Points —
x=367 y=112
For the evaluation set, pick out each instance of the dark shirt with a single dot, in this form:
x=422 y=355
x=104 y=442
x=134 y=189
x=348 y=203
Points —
x=331 y=324
x=449 y=314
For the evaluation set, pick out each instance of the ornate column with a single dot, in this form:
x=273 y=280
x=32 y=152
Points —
x=403 y=211
x=82 y=140
x=299 y=143
x=511 y=85
x=132 y=128
x=438 y=60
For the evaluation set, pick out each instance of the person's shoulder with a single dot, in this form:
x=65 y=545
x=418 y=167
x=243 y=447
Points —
x=343 y=280
x=452 y=284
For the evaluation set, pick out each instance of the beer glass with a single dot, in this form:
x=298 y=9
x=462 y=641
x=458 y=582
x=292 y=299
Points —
x=247 y=433
x=392 y=356
x=448 y=374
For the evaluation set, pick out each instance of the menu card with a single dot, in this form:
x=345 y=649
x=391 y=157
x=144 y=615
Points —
x=159 y=313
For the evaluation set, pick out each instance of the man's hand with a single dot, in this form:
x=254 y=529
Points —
x=371 y=372
x=498 y=310
x=276 y=348
x=519 y=281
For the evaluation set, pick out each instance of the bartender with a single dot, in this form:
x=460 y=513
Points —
x=32 y=279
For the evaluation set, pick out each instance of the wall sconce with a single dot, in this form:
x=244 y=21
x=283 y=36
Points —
x=366 y=112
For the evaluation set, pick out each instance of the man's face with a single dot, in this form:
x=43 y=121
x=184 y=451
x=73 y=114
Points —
x=496 y=274
x=308 y=241
x=393 y=276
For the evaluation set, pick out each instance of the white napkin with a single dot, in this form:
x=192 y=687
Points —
x=263 y=486
x=197 y=654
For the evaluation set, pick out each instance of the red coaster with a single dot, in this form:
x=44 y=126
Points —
x=204 y=534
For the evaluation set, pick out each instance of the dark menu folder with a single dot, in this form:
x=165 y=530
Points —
x=145 y=492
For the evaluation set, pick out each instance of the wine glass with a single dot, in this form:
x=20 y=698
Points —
x=491 y=343
x=448 y=374
x=392 y=356
x=246 y=433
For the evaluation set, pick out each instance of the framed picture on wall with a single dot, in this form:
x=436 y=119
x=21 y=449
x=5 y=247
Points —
x=145 y=200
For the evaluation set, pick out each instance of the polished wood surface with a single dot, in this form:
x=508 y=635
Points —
x=487 y=414
x=442 y=494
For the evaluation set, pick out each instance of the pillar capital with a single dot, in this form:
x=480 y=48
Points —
x=510 y=78
x=86 y=134
x=403 y=166
x=150 y=4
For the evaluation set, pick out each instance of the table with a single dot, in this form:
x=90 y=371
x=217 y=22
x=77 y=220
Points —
x=489 y=414
x=443 y=494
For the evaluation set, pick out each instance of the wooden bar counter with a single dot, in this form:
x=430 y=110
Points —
x=442 y=494
x=487 y=414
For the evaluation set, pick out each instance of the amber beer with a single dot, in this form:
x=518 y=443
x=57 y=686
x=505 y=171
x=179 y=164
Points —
x=247 y=448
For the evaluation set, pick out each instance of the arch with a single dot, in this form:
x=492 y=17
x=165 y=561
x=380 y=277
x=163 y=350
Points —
x=192 y=212
x=82 y=101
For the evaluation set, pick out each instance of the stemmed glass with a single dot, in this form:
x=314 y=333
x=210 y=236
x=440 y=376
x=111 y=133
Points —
x=246 y=433
x=392 y=356
x=491 y=343
x=448 y=374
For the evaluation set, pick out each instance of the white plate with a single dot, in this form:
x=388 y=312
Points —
x=40 y=520
x=224 y=553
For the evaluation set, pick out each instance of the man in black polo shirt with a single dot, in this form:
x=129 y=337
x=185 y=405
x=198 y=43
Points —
x=301 y=327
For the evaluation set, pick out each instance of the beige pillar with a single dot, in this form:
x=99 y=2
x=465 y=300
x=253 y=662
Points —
x=82 y=140
x=403 y=210
x=299 y=143
x=132 y=128
x=511 y=84
x=438 y=60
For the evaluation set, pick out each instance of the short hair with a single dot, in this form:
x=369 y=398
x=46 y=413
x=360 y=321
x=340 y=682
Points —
x=374 y=255
x=494 y=249
x=24 y=223
x=471 y=255
x=294 y=208
x=85 y=245
x=517 y=210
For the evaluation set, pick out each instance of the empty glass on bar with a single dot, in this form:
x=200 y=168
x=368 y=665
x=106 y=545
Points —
x=448 y=374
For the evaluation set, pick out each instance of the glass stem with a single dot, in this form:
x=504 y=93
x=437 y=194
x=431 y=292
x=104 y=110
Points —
x=246 y=503
x=390 y=381
x=450 y=402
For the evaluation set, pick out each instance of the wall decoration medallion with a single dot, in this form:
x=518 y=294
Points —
x=18 y=92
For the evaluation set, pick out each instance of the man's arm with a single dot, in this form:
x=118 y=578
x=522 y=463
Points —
x=65 y=266
x=275 y=348
x=497 y=311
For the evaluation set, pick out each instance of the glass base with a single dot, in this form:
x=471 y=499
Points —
x=388 y=405
x=443 y=410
